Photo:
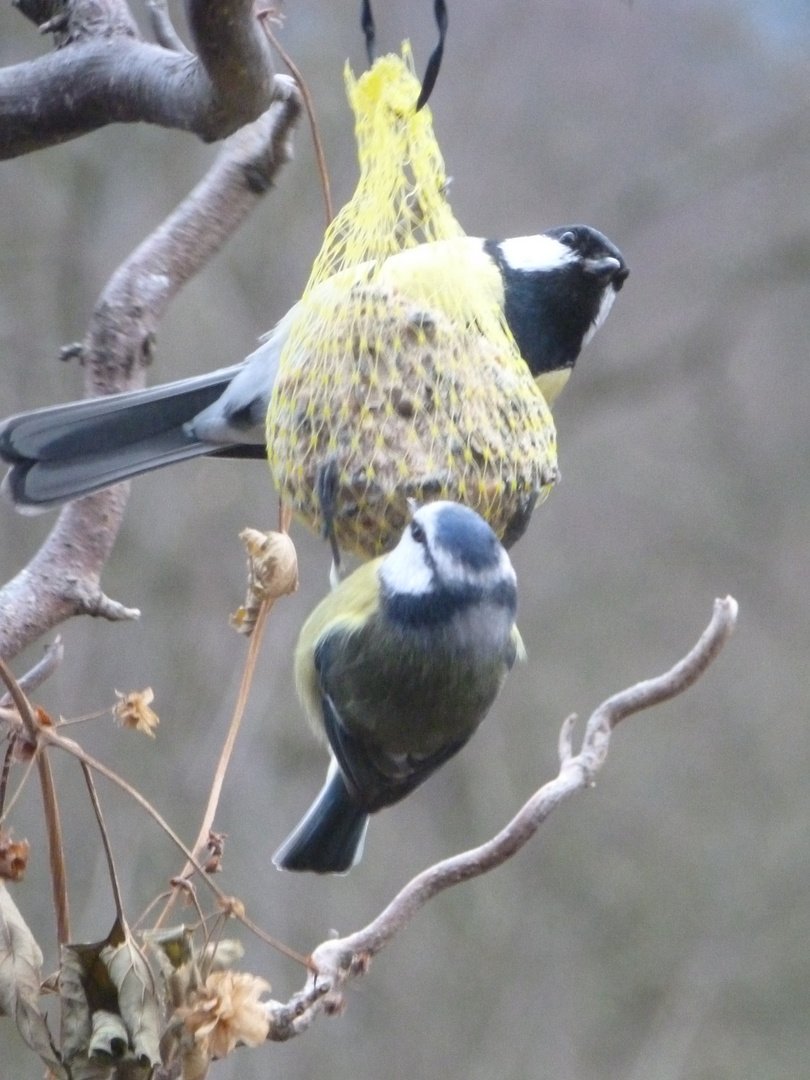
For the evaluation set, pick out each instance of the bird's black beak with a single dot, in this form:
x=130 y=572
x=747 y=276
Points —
x=608 y=270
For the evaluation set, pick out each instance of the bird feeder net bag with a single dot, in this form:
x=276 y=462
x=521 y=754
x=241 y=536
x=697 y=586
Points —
x=399 y=372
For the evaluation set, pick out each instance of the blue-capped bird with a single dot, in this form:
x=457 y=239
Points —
x=397 y=667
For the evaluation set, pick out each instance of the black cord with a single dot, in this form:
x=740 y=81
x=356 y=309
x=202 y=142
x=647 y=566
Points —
x=435 y=61
x=369 y=30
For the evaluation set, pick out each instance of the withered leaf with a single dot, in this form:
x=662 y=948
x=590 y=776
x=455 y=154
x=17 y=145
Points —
x=109 y=1002
x=20 y=964
x=138 y=1003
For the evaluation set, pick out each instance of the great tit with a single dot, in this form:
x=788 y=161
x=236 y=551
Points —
x=398 y=666
x=555 y=288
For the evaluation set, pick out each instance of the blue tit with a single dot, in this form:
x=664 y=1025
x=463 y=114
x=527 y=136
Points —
x=555 y=289
x=397 y=667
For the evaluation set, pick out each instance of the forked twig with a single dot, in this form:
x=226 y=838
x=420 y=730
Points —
x=337 y=960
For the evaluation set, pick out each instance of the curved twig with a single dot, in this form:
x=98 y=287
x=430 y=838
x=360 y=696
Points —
x=337 y=960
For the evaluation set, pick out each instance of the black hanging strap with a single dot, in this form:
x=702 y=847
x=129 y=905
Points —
x=369 y=31
x=435 y=61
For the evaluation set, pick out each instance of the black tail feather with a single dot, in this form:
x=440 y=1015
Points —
x=330 y=838
x=66 y=451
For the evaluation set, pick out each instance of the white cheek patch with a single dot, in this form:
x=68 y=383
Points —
x=603 y=312
x=405 y=571
x=536 y=253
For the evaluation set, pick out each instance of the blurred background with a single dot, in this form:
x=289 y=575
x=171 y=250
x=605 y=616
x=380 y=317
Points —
x=658 y=927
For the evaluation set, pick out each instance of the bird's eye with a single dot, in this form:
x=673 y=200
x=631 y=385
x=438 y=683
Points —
x=418 y=533
x=568 y=238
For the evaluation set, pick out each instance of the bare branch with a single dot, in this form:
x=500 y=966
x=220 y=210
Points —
x=63 y=578
x=162 y=26
x=104 y=73
x=40 y=672
x=337 y=960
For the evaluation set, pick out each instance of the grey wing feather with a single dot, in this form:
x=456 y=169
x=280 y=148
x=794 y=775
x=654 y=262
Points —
x=66 y=451
x=240 y=413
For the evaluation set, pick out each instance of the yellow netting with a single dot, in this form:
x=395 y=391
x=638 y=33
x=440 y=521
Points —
x=399 y=365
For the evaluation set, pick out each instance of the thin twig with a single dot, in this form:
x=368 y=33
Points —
x=274 y=943
x=73 y=748
x=56 y=847
x=153 y=903
x=320 y=156
x=227 y=749
x=21 y=702
x=211 y=942
x=42 y=670
x=105 y=839
x=4 y=776
x=188 y=888
x=8 y=807
x=50 y=805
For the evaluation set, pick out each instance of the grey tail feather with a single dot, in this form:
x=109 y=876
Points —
x=330 y=838
x=63 y=452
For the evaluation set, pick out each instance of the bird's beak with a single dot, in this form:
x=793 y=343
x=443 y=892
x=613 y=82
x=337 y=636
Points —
x=608 y=268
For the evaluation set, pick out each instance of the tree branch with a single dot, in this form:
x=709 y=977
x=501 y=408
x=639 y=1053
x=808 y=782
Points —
x=338 y=960
x=63 y=578
x=102 y=73
x=162 y=26
x=40 y=672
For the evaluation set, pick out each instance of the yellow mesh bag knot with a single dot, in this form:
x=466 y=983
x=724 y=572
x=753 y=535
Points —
x=398 y=365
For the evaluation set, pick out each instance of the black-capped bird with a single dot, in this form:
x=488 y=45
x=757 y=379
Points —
x=397 y=667
x=555 y=289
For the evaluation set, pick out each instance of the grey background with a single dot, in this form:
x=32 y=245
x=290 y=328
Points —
x=658 y=927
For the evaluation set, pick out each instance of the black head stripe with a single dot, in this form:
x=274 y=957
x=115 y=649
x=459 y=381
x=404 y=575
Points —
x=431 y=610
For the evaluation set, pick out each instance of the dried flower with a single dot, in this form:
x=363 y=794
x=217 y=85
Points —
x=272 y=572
x=132 y=711
x=216 y=850
x=227 y=1011
x=13 y=857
